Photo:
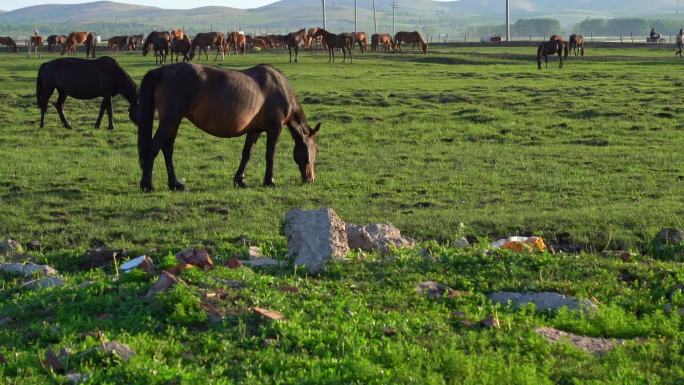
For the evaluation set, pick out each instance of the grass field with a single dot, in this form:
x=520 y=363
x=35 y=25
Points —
x=476 y=136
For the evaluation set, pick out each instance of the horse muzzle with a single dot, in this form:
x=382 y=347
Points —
x=308 y=173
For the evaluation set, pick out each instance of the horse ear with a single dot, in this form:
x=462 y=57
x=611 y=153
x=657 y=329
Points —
x=315 y=130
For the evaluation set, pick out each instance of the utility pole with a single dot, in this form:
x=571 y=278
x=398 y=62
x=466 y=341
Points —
x=375 y=19
x=356 y=29
x=324 y=24
x=677 y=7
x=508 y=21
x=395 y=5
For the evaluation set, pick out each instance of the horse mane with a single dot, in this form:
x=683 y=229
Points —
x=420 y=38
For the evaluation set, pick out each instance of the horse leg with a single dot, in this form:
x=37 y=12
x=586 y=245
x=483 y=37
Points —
x=290 y=50
x=271 y=141
x=296 y=53
x=59 y=105
x=560 y=58
x=239 y=179
x=43 y=103
x=167 y=150
x=99 y=116
x=110 y=113
x=168 y=127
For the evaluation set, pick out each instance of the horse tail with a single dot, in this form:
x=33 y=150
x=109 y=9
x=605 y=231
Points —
x=539 y=52
x=146 y=108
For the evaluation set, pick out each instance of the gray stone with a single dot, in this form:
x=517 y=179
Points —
x=254 y=252
x=669 y=236
x=264 y=262
x=432 y=289
x=590 y=344
x=543 y=300
x=27 y=269
x=314 y=237
x=461 y=243
x=44 y=283
x=11 y=247
x=76 y=378
x=117 y=348
x=377 y=237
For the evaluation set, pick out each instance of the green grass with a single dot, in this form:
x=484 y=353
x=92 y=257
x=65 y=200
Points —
x=476 y=136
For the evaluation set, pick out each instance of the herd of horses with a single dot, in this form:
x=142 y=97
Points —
x=557 y=46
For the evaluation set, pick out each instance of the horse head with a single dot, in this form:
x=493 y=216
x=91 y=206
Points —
x=305 y=152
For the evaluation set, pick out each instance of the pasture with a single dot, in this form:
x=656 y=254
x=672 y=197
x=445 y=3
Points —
x=478 y=136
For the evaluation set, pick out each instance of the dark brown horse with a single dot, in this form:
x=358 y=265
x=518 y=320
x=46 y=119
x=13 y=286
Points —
x=361 y=39
x=54 y=40
x=414 y=38
x=564 y=45
x=117 y=41
x=238 y=41
x=294 y=40
x=84 y=79
x=382 y=39
x=161 y=50
x=333 y=41
x=151 y=39
x=208 y=39
x=9 y=42
x=76 y=38
x=134 y=41
x=181 y=47
x=551 y=47
x=224 y=103
x=577 y=44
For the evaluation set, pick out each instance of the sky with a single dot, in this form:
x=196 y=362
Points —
x=8 y=5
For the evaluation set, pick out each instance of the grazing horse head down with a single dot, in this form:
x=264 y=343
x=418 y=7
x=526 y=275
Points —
x=414 y=38
x=9 y=42
x=576 y=44
x=224 y=103
x=551 y=47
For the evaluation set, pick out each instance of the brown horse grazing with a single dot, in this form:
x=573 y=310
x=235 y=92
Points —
x=383 y=39
x=342 y=41
x=224 y=103
x=564 y=46
x=181 y=47
x=414 y=37
x=76 y=38
x=238 y=41
x=117 y=41
x=550 y=47
x=576 y=43
x=84 y=79
x=134 y=41
x=9 y=42
x=54 y=40
x=208 y=39
x=151 y=38
x=362 y=39
x=294 y=40
x=36 y=42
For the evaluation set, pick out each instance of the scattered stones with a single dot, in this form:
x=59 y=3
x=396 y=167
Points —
x=117 y=348
x=669 y=236
x=542 y=300
x=43 y=283
x=379 y=236
x=11 y=247
x=268 y=342
x=76 y=378
x=461 y=243
x=314 y=237
x=432 y=289
x=234 y=263
x=27 y=269
x=164 y=282
x=288 y=289
x=34 y=245
x=195 y=257
x=270 y=314
x=490 y=323
x=55 y=360
x=98 y=257
x=264 y=262
x=589 y=344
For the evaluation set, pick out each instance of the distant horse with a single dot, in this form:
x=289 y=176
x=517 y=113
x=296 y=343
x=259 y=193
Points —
x=153 y=38
x=208 y=39
x=410 y=37
x=54 y=40
x=181 y=47
x=238 y=41
x=134 y=41
x=117 y=41
x=361 y=39
x=224 y=103
x=576 y=43
x=177 y=34
x=294 y=40
x=161 y=49
x=76 y=38
x=84 y=79
x=551 y=47
x=382 y=39
x=310 y=41
x=9 y=42
x=333 y=41
x=260 y=43
x=36 y=42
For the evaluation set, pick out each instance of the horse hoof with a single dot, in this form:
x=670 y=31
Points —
x=269 y=184
x=146 y=188
x=239 y=183
x=177 y=186
x=111 y=128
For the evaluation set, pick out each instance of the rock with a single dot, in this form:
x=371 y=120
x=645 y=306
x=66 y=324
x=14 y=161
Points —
x=461 y=243
x=459 y=314
x=314 y=237
x=458 y=293
x=264 y=262
x=3 y=361
x=76 y=378
x=117 y=348
x=288 y=289
x=490 y=323
x=589 y=344
x=389 y=332
x=164 y=282
x=34 y=245
x=543 y=300
x=379 y=236
x=11 y=247
x=669 y=236
x=195 y=257
x=179 y=269
x=55 y=360
x=43 y=283
x=98 y=257
x=234 y=263
x=272 y=315
x=254 y=252
x=27 y=269
x=432 y=289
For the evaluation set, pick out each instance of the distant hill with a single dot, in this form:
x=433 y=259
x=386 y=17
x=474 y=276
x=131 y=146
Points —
x=427 y=16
